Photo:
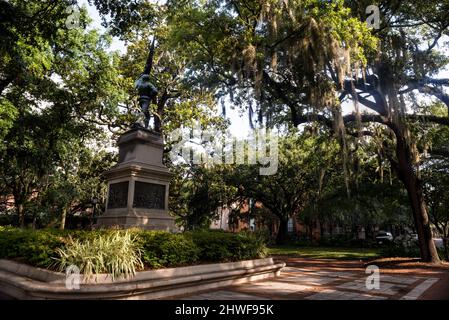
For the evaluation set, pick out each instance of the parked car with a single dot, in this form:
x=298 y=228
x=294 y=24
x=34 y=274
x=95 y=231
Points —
x=384 y=237
x=438 y=241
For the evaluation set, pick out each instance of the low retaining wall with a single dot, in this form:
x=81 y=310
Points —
x=24 y=282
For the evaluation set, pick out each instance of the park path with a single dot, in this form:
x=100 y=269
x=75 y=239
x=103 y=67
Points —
x=327 y=279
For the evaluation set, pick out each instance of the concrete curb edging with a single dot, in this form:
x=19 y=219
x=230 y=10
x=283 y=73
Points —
x=21 y=281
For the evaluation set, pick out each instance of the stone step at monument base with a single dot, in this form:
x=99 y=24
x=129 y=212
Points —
x=143 y=222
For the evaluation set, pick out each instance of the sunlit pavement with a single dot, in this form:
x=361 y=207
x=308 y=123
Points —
x=312 y=283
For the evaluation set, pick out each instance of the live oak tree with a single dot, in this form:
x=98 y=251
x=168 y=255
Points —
x=374 y=202
x=435 y=190
x=407 y=64
x=198 y=190
x=25 y=29
x=435 y=173
x=77 y=180
x=58 y=84
x=308 y=187
x=291 y=61
x=298 y=61
x=285 y=194
x=225 y=50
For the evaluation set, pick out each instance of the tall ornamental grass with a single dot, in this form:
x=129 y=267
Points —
x=116 y=253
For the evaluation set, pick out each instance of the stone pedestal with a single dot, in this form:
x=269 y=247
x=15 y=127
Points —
x=138 y=186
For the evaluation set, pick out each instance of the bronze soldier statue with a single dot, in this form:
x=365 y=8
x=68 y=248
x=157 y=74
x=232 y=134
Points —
x=147 y=91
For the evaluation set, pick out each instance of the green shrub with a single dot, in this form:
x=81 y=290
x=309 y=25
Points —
x=406 y=250
x=112 y=251
x=116 y=253
x=339 y=240
x=304 y=243
x=217 y=246
x=362 y=243
x=163 y=249
x=397 y=250
x=37 y=248
x=402 y=246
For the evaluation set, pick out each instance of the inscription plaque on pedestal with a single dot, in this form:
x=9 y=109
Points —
x=149 y=196
x=118 y=195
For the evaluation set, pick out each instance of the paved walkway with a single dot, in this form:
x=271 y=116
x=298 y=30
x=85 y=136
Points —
x=333 y=280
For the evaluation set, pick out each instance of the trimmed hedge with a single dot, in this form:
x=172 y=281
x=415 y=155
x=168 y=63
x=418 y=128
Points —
x=158 y=249
x=398 y=250
x=163 y=249
x=217 y=246
x=28 y=246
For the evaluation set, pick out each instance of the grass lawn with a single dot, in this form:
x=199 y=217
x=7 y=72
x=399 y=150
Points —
x=326 y=252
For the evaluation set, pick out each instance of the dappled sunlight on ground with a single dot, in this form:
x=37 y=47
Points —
x=332 y=279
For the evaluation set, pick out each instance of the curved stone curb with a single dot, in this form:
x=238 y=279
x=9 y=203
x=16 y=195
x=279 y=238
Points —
x=25 y=282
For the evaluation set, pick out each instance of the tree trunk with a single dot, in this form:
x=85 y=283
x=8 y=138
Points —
x=311 y=231
x=321 y=229
x=21 y=214
x=63 y=217
x=446 y=247
x=414 y=189
x=281 y=237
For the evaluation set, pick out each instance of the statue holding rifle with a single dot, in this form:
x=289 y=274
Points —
x=147 y=91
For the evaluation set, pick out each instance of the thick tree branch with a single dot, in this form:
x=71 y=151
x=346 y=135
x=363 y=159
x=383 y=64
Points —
x=368 y=87
x=350 y=118
x=366 y=118
x=424 y=86
x=428 y=118
x=439 y=94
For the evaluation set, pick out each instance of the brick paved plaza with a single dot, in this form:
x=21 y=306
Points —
x=338 y=281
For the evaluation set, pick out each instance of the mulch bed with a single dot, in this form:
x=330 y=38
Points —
x=415 y=263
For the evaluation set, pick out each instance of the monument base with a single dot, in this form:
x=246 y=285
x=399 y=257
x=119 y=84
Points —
x=147 y=222
x=138 y=186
